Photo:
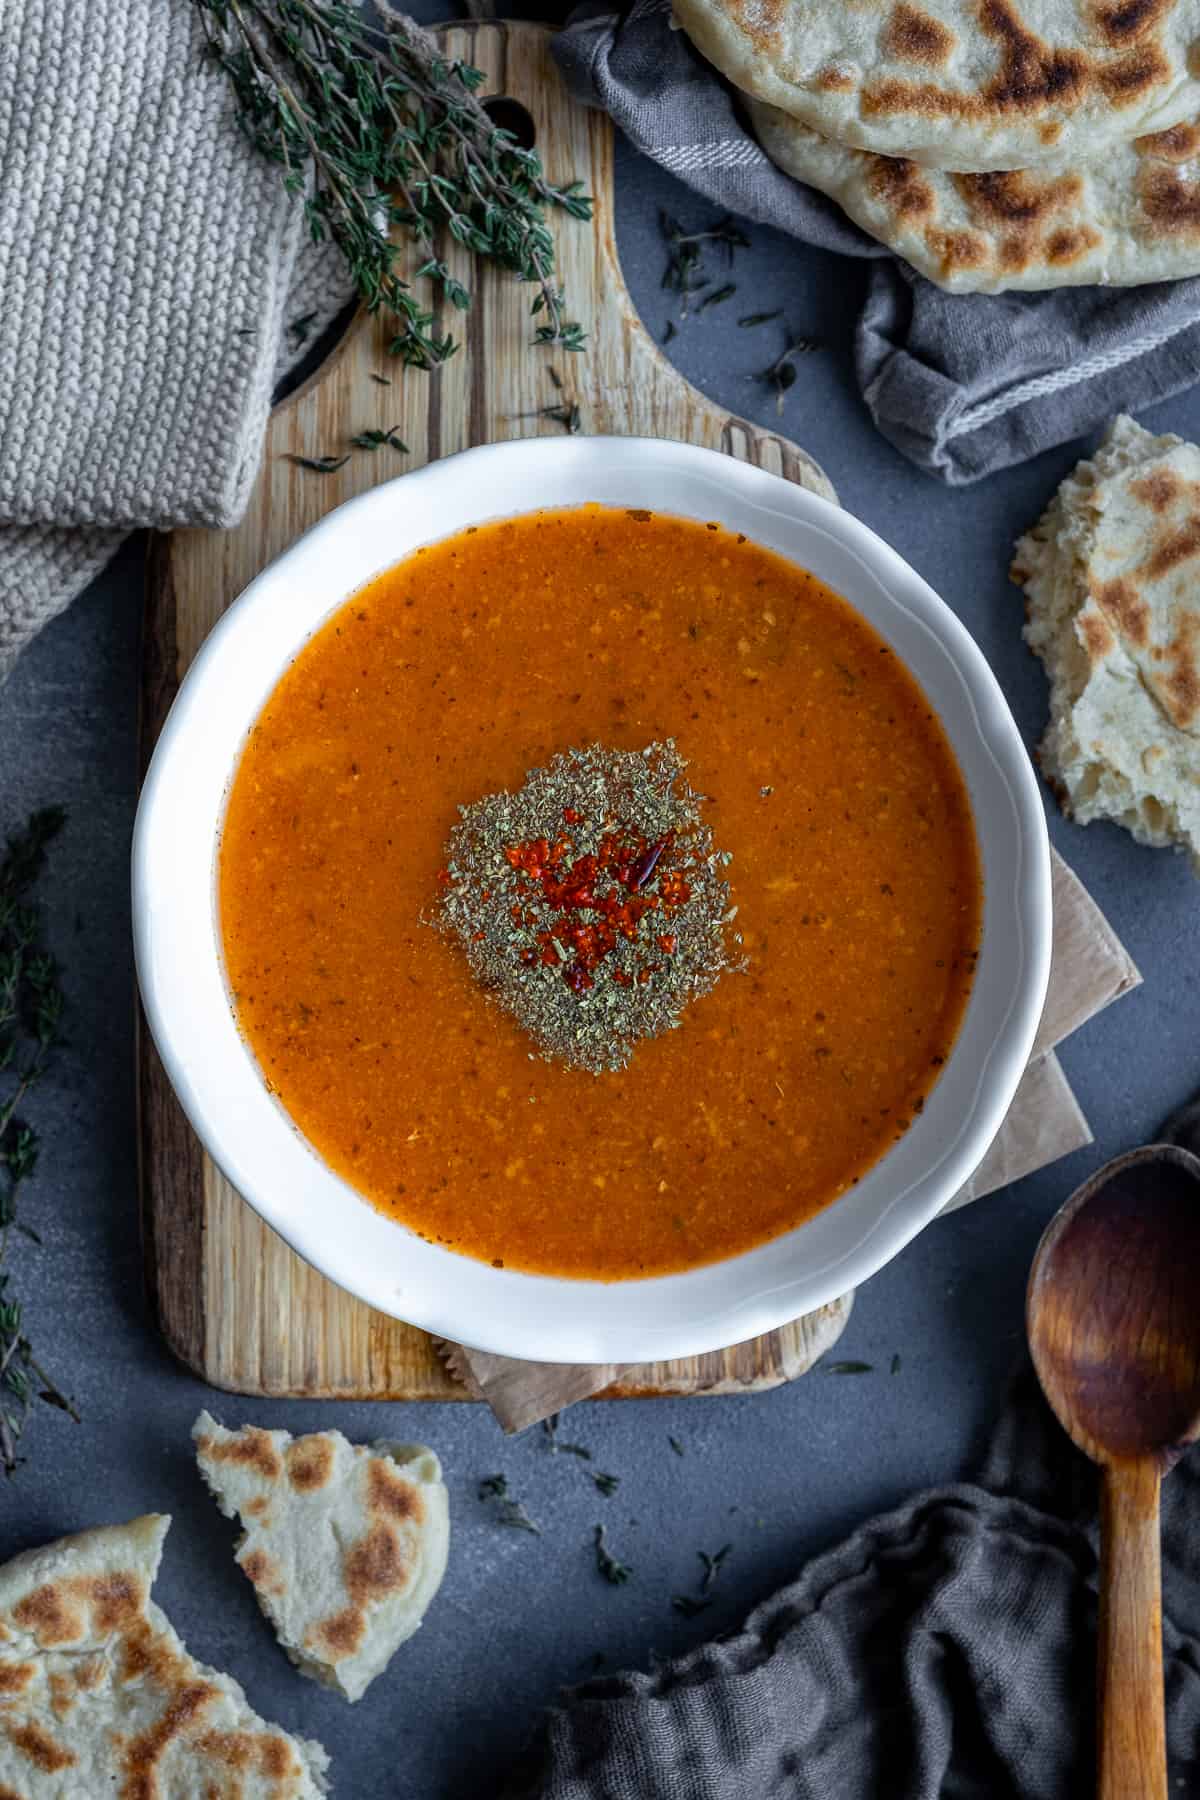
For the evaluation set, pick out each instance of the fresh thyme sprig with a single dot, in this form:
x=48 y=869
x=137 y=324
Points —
x=379 y=129
x=31 y=1004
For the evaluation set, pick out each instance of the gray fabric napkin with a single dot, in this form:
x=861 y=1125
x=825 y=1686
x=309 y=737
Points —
x=946 y=1651
x=962 y=384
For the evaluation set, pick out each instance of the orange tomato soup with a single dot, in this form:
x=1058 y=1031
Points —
x=854 y=870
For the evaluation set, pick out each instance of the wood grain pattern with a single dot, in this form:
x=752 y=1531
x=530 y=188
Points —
x=1132 y=1741
x=1115 y=1333
x=232 y=1300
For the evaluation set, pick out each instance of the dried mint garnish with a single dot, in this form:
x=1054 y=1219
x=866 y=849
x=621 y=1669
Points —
x=591 y=903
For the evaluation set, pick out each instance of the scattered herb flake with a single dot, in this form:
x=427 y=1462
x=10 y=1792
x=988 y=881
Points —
x=300 y=328
x=669 y=333
x=688 y=1605
x=676 y=1446
x=782 y=373
x=718 y=296
x=321 y=465
x=374 y=440
x=508 y=1510
x=608 y=1484
x=848 y=1368
x=569 y=417
x=557 y=1446
x=617 y=1573
x=752 y=319
x=684 y=273
x=712 y=1565
x=383 y=380
x=896 y=1363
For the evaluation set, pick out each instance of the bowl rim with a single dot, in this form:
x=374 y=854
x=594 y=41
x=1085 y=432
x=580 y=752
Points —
x=452 y=1296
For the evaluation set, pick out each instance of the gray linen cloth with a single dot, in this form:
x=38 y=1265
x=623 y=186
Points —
x=151 y=276
x=962 y=384
x=946 y=1651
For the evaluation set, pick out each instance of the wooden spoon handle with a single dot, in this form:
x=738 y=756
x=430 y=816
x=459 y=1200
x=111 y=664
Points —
x=1132 y=1743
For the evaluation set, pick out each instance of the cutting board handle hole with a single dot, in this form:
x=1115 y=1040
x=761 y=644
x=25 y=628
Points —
x=509 y=115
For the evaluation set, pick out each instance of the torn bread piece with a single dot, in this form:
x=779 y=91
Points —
x=1111 y=572
x=345 y=1543
x=98 y=1696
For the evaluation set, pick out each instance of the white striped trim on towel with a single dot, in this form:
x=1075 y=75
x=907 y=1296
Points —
x=728 y=153
x=1039 y=385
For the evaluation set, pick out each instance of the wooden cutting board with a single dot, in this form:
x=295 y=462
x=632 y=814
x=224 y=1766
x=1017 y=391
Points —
x=232 y=1300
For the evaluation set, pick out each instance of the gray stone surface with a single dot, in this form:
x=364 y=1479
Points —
x=778 y=1475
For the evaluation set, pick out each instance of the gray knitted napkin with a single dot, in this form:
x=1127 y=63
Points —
x=150 y=283
x=962 y=384
x=946 y=1651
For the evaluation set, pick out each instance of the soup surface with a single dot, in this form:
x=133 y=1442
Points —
x=854 y=870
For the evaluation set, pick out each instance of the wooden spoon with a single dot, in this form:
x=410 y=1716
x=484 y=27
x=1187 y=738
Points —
x=1113 y=1314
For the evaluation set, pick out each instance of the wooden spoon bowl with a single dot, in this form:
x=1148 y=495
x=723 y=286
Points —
x=1113 y=1316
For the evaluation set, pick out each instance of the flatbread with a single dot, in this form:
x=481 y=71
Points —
x=98 y=1696
x=1133 y=217
x=346 y=1545
x=993 y=84
x=1112 y=576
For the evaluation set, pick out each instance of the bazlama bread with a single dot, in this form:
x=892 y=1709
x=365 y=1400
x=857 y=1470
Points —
x=1111 y=572
x=1131 y=217
x=346 y=1545
x=996 y=84
x=99 y=1700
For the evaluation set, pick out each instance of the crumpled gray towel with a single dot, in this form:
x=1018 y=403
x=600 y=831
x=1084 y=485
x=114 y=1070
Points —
x=944 y=1652
x=962 y=384
x=149 y=273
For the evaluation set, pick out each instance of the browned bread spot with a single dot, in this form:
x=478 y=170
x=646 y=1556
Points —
x=310 y=1462
x=341 y=1634
x=912 y=36
x=39 y=1747
x=902 y=187
x=47 y=1614
x=375 y=1566
x=251 y=1447
x=390 y=1495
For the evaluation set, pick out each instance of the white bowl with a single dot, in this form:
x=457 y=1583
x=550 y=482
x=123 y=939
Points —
x=251 y=1138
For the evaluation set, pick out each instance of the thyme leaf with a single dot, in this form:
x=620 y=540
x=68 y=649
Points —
x=373 y=440
x=712 y=1565
x=608 y=1484
x=684 y=274
x=508 y=1509
x=688 y=1605
x=760 y=318
x=31 y=1004
x=555 y=1444
x=782 y=373
x=372 y=129
x=617 y=1573
x=676 y=1446
x=848 y=1368
x=718 y=296
x=321 y=465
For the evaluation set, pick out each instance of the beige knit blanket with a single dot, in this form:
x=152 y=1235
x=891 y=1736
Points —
x=150 y=268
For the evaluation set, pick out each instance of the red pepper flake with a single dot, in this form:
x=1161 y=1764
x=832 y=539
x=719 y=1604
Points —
x=666 y=943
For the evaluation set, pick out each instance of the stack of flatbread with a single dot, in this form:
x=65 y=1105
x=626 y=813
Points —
x=992 y=143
